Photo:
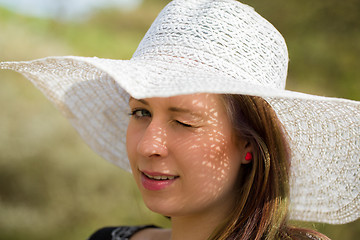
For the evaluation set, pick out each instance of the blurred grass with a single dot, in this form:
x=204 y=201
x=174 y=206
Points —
x=52 y=186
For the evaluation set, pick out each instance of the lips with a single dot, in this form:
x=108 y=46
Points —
x=157 y=181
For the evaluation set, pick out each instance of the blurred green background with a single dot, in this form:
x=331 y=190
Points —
x=52 y=186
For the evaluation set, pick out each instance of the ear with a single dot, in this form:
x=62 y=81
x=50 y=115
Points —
x=247 y=155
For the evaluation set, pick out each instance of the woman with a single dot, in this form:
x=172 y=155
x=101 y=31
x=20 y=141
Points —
x=218 y=167
x=212 y=131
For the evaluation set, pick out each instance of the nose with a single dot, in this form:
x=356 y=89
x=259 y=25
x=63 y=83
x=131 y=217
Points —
x=153 y=142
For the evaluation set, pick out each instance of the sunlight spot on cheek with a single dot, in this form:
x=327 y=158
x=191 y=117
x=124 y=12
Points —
x=217 y=180
x=208 y=164
x=214 y=186
x=217 y=177
x=219 y=134
x=193 y=147
x=203 y=175
x=212 y=122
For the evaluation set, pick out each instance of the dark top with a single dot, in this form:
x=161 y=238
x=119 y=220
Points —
x=118 y=233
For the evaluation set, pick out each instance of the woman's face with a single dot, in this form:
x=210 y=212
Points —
x=183 y=154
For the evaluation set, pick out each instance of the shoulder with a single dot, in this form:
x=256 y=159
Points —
x=118 y=233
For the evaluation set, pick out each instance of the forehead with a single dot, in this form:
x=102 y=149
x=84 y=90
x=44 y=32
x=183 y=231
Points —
x=200 y=101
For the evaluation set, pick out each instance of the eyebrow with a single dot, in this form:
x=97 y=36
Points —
x=170 y=109
x=139 y=100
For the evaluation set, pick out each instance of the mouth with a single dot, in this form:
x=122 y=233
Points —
x=159 y=177
x=157 y=181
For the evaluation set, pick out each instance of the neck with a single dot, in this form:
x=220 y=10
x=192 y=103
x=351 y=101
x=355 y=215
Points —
x=197 y=227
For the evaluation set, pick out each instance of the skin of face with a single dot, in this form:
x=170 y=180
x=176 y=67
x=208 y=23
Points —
x=189 y=139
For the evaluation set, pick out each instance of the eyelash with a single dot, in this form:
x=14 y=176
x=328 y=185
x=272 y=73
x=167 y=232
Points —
x=134 y=112
x=184 y=124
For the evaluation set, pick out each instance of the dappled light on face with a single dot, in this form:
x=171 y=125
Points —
x=195 y=144
x=212 y=156
x=153 y=142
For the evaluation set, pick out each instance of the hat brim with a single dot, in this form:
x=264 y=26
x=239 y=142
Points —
x=323 y=132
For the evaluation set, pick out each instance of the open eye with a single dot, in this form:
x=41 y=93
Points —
x=140 y=113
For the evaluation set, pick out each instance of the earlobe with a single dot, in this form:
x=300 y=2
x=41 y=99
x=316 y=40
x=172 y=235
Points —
x=249 y=154
x=248 y=158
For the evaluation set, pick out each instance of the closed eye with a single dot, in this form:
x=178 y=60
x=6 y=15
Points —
x=184 y=124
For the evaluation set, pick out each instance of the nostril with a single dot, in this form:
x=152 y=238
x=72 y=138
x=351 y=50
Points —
x=155 y=155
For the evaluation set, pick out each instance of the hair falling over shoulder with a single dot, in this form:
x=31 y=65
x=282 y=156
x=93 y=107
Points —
x=262 y=205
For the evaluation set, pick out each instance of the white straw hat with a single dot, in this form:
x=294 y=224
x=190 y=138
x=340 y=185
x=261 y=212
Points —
x=215 y=46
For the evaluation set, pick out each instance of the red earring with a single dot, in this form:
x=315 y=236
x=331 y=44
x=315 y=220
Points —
x=248 y=156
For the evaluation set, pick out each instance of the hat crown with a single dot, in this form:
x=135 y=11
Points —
x=223 y=36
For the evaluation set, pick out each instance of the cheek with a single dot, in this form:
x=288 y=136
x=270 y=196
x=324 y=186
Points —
x=132 y=138
x=211 y=160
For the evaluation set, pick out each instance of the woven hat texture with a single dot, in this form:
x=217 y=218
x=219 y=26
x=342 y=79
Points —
x=215 y=46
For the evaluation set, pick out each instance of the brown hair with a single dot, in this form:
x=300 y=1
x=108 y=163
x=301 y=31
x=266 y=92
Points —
x=261 y=211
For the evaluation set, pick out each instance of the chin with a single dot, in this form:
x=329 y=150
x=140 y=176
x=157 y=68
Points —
x=160 y=208
x=165 y=207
